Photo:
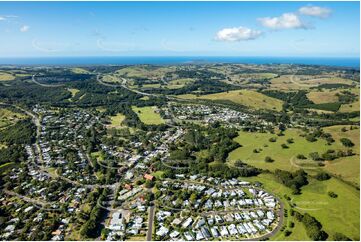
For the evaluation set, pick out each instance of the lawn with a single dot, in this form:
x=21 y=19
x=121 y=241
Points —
x=331 y=212
x=284 y=159
x=248 y=98
x=148 y=115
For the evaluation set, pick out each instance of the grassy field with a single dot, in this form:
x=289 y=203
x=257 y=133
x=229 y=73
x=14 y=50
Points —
x=144 y=71
x=8 y=117
x=179 y=83
x=111 y=78
x=78 y=70
x=314 y=199
x=350 y=107
x=286 y=82
x=4 y=76
x=347 y=168
x=116 y=121
x=148 y=115
x=325 y=96
x=73 y=91
x=244 y=97
x=329 y=80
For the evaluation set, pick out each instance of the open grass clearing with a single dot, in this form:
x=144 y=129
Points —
x=350 y=107
x=285 y=159
x=248 y=98
x=314 y=199
x=8 y=117
x=325 y=96
x=73 y=91
x=179 y=83
x=148 y=115
x=4 y=76
x=116 y=121
x=78 y=70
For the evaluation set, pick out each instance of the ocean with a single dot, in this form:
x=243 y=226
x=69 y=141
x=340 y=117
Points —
x=164 y=60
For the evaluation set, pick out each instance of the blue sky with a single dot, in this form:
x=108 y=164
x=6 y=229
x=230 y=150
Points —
x=179 y=29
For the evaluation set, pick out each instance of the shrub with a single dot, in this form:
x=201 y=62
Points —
x=322 y=176
x=347 y=142
x=332 y=194
x=268 y=159
x=301 y=157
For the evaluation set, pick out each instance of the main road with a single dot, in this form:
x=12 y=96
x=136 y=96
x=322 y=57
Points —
x=151 y=213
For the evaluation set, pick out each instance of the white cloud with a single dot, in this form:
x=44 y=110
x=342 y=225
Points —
x=24 y=28
x=2 y=18
x=285 y=21
x=115 y=46
x=315 y=11
x=237 y=34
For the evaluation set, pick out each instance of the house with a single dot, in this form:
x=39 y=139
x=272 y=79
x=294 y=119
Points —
x=214 y=231
x=148 y=177
x=205 y=232
x=176 y=221
x=224 y=231
x=163 y=231
x=128 y=186
x=187 y=223
x=188 y=236
x=174 y=234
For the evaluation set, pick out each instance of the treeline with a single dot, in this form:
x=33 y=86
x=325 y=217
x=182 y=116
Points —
x=294 y=180
x=91 y=228
x=31 y=94
x=215 y=141
x=201 y=86
x=131 y=118
x=312 y=225
x=22 y=132
x=291 y=99
x=55 y=78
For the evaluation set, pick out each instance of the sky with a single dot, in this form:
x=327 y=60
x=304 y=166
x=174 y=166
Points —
x=305 y=29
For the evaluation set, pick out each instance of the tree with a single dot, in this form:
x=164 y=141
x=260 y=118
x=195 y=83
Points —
x=268 y=159
x=301 y=157
x=347 y=142
x=332 y=194
x=322 y=176
x=340 y=237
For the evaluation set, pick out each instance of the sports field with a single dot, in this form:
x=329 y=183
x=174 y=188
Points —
x=148 y=115
x=244 y=97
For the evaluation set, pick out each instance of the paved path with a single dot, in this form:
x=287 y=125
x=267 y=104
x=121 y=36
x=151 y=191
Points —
x=44 y=85
x=151 y=212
